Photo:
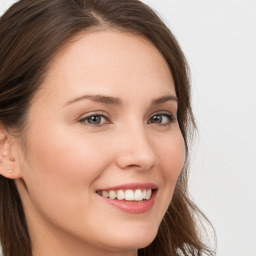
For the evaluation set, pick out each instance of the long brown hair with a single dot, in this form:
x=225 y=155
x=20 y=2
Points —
x=31 y=32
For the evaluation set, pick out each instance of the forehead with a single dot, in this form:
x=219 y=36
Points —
x=105 y=58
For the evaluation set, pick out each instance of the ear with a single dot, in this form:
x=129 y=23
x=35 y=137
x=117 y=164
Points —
x=9 y=166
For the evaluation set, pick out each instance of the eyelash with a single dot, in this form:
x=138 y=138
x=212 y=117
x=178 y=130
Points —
x=85 y=120
x=170 y=117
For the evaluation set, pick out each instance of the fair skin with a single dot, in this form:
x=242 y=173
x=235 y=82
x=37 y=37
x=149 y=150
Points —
x=76 y=146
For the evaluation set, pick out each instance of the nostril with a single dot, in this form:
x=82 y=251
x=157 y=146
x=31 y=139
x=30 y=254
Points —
x=136 y=160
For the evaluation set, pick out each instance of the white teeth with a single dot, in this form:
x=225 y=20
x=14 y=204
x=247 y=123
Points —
x=112 y=194
x=138 y=195
x=120 y=194
x=144 y=193
x=128 y=195
x=105 y=193
x=149 y=193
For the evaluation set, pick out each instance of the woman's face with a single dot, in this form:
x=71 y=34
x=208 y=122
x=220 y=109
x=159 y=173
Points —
x=103 y=125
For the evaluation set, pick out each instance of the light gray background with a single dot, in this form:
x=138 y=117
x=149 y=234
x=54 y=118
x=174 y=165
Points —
x=219 y=40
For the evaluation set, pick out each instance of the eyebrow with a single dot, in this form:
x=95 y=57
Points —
x=97 y=98
x=164 y=99
x=116 y=101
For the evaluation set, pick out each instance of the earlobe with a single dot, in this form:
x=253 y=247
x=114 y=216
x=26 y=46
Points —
x=8 y=164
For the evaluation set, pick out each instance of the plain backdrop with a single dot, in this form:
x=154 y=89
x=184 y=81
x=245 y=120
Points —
x=219 y=40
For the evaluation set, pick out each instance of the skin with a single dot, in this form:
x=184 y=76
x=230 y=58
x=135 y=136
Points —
x=67 y=158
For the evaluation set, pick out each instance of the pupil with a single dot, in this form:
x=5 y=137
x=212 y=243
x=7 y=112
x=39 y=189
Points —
x=157 y=119
x=95 y=119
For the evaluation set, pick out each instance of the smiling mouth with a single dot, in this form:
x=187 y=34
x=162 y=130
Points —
x=136 y=195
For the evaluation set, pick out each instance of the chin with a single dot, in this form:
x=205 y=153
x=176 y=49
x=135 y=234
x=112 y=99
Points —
x=134 y=240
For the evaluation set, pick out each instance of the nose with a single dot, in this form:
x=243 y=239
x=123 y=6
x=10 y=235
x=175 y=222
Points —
x=135 y=151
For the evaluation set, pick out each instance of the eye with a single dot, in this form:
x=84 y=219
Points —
x=95 y=120
x=161 y=118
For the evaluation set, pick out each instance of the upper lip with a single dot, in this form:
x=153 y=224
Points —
x=131 y=186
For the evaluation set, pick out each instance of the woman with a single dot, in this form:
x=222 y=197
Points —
x=95 y=122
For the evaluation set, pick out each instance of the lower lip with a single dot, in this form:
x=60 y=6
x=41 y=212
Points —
x=132 y=206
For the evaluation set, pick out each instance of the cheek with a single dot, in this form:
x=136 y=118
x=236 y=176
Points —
x=172 y=157
x=64 y=164
x=60 y=171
